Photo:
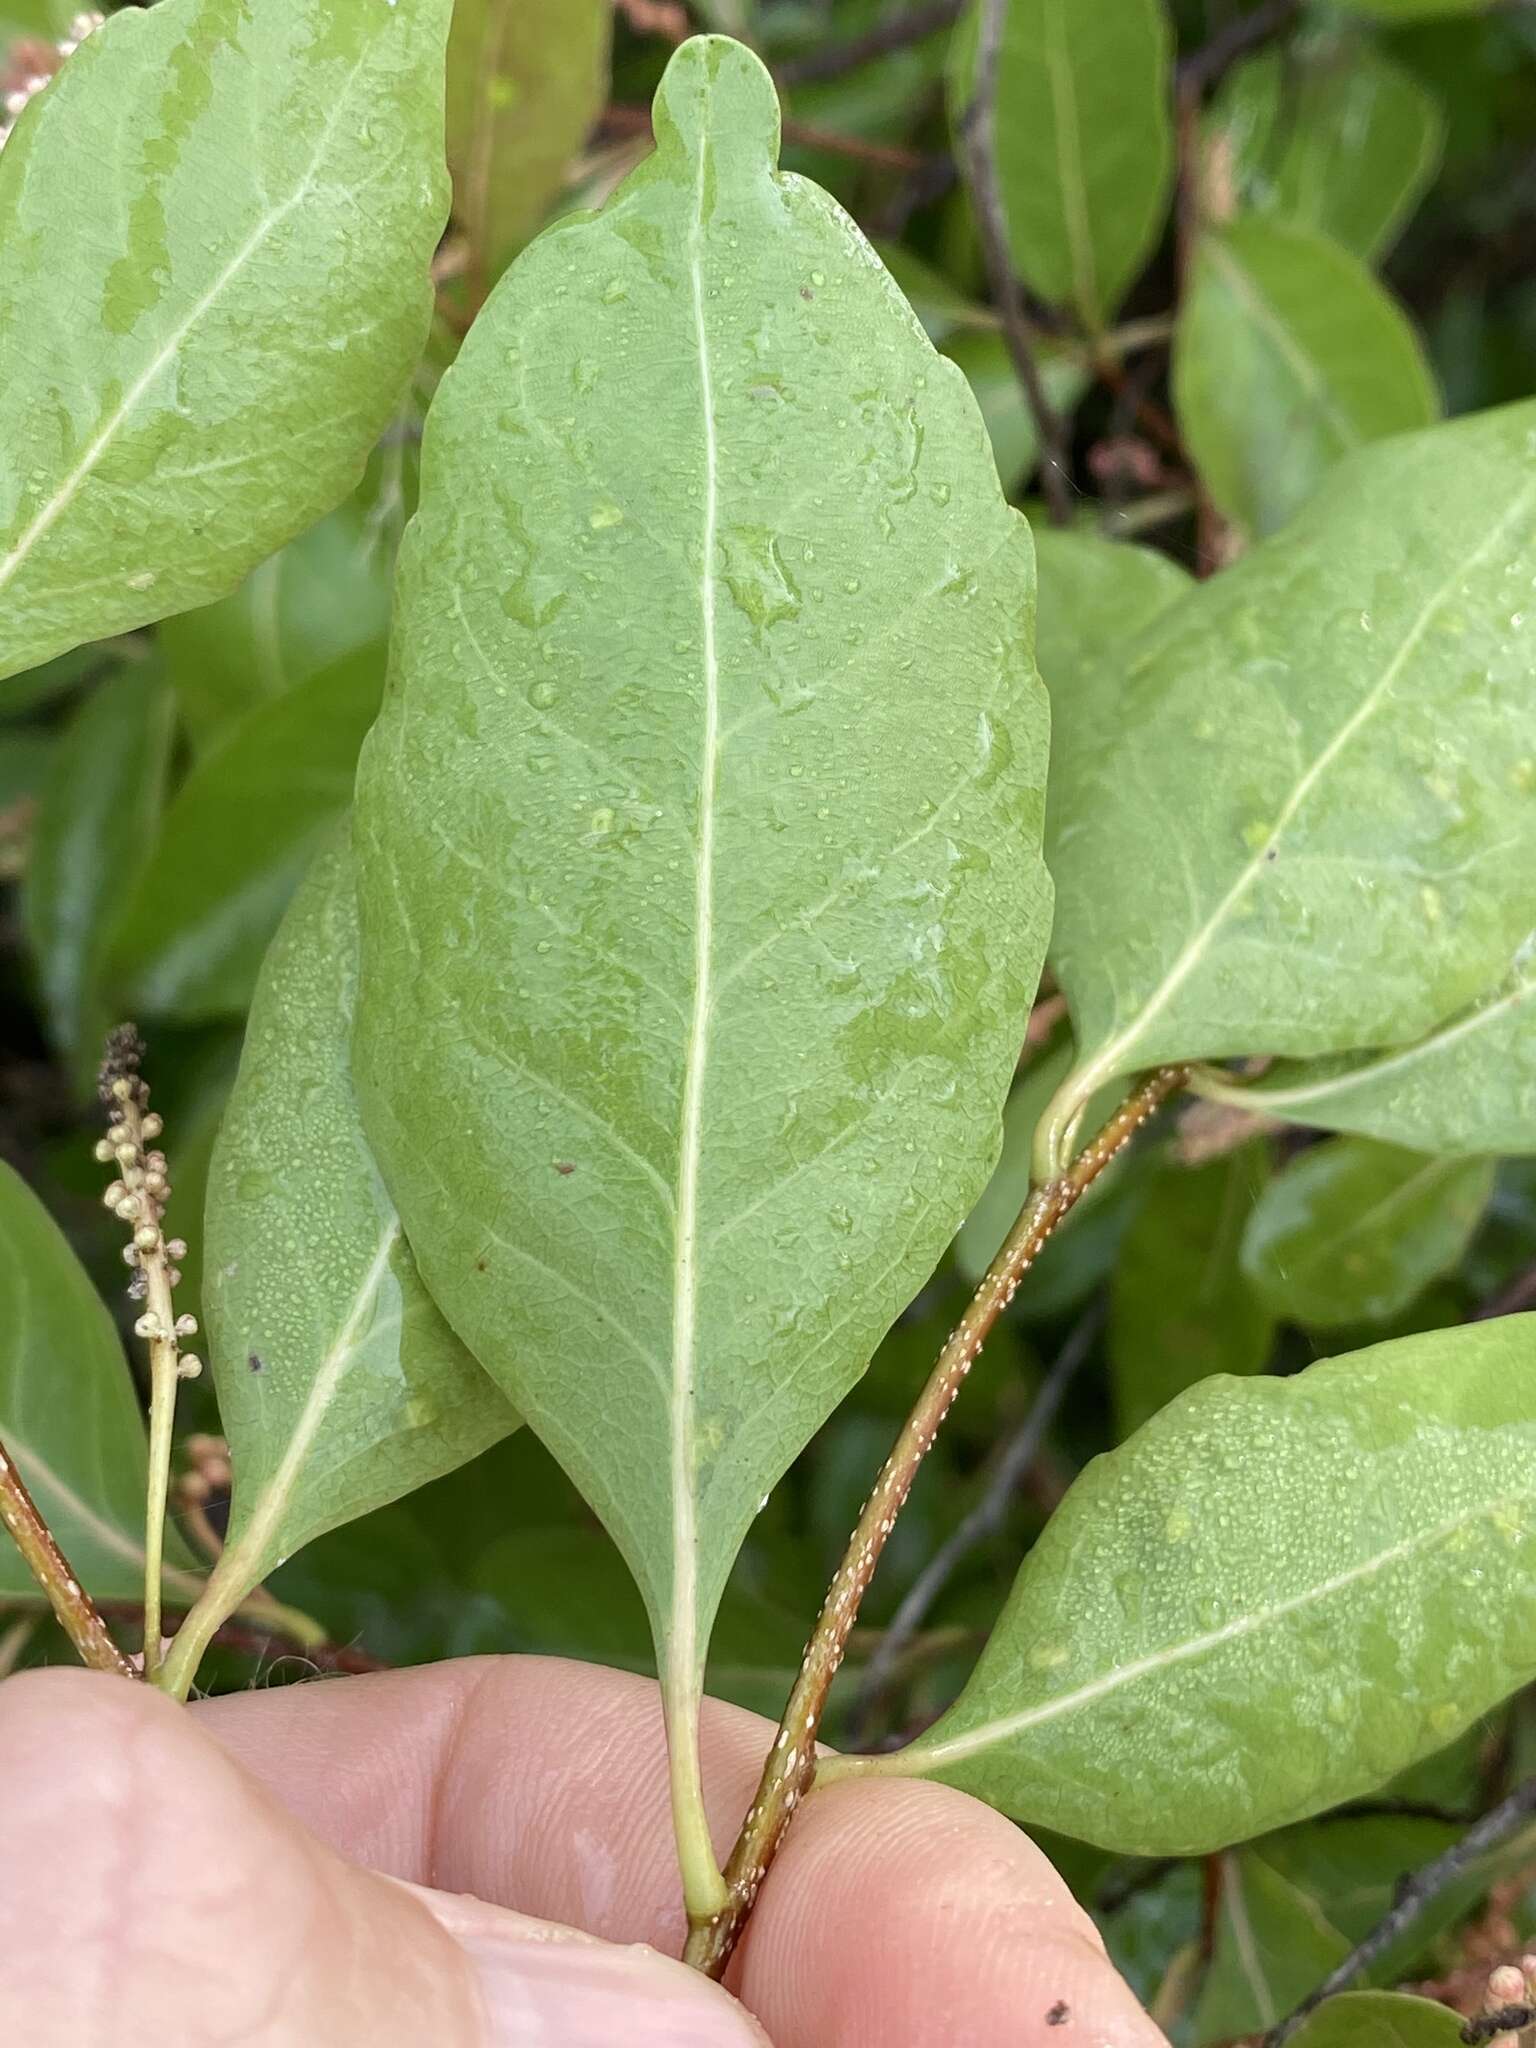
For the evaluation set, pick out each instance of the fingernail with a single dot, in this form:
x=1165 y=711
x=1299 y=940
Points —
x=560 y=1994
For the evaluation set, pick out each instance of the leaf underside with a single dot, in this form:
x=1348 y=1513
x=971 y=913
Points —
x=1273 y=1598
x=701 y=895
x=184 y=389
x=340 y=1385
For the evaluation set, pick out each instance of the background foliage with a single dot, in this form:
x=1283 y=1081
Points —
x=1256 y=240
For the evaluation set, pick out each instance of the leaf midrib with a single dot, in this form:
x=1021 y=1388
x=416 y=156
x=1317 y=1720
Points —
x=1367 y=1074
x=683 y=1652
x=1307 y=372
x=1074 y=191
x=1107 y=1063
x=254 y=1539
x=938 y=1755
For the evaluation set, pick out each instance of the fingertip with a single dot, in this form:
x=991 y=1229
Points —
x=147 y=1874
x=906 y=1911
x=546 y=1983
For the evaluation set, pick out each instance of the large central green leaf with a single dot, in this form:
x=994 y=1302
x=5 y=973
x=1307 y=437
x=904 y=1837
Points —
x=699 y=839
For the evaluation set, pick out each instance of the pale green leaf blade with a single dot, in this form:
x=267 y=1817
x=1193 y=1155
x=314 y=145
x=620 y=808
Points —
x=340 y=1385
x=1330 y=748
x=324 y=596
x=228 y=306
x=1288 y=354
x=1084 y=142
x=235 y=840
x=1468 y=1086
x=1274 y=1597
x=96 y=821
x=1093 y=595
x=69 y=1417
x=1354 y=1230
x=1328 y=134
x=1181 y=1306
x=684 y=1031
x=1380 y=2019
x=526 y=80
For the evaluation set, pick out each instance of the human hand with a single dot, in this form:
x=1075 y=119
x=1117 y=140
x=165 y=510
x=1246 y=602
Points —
x=404 y=1862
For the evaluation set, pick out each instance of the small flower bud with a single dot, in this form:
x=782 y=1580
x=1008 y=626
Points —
x=156 y=1184
x=130 y=1255
x=137 y=1289
x=118 y=1133
x=104 y=1151
x=113 y=1195
x=147 y=1238
x=126 y=1155
x=126 y=1208
x=177 y=1248
x=188 y=1367
x=174 y=1276
x=152 y=1125
x=186 y=1326
x=122 y=1089
x=148 y=1325
x=1506 y=1986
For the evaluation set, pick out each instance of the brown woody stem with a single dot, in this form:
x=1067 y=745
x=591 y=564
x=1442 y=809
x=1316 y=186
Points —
x=77 y=1615
x=791 y=1763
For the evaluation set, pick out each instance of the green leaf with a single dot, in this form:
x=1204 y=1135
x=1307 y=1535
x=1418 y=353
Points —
x=1379 y=2019
x=1288 y=354
x=1276 y=1595
x=1084 y=145
x=69 y=1417
x=1353 y=1867
x=1181 y=1307
x=1273 y=1944
x=526 y=80
x=25 y=762
x=1328 y=134
x=340 y=1385
x=684 y=1028
x=1296 y=1903
x=1414 y=10
x=995 y=382
x=1331 y=751
x=1094 y=594
x=96 y=820
x=323 y=596
x=235 y=840
x=193 y=368
x=934 y=297
x=1467 y=1086
x=1354 y=1230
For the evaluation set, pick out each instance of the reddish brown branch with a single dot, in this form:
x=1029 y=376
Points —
x=76 y=1612
x=791 y=1763
x=897 y=32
